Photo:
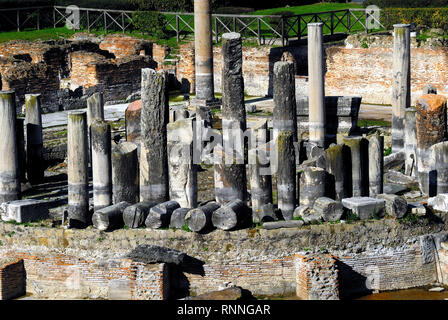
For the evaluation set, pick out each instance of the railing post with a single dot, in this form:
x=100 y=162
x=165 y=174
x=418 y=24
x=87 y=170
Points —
x=216 y=30
x=122 y=21
x=283 y=30
x=177 y=28
x=332 y=23
x=54 y=17
x=349 y=21
x=234 y=24
x=299 y=28
x=38 y=18
x=88 y=21
x=259 y=31
x=105 y=22
x=18 y=20
x=366 y=21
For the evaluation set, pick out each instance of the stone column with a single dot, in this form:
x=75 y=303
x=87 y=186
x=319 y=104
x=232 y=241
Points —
x=316 y=89
x=9 y=160
x=230 y=174
x=438 y=177
x=260 y=180
x=401 y=91
x=125 y=173
x=101 y=164
x=77 y=169
x=431 y=129
x=358 y=155
x=285 y=108
x=95 y=107
x=34 y=141
x=20 y=138
x=183 y=179
x=203 y=47
x=376 y=165
x=312 y=185
x=410 y=138
x=286 y=173
x=153 y=146
x=336 y=167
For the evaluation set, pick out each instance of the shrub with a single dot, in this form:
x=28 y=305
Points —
x=422 y=17
x=406 y=3
x=151 y=23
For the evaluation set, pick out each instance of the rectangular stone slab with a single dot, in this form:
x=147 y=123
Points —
x=364 y=207
x=28 y=210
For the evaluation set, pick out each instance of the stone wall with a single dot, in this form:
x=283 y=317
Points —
x=443 y=263
x=259 y=260
x=12 y=278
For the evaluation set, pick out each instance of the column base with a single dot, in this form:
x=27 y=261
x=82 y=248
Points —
x=206 y=103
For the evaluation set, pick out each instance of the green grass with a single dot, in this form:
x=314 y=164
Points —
x=368 y=123
x=44 y=34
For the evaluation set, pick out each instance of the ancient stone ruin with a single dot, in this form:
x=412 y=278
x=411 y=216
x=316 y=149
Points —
x=280 y=184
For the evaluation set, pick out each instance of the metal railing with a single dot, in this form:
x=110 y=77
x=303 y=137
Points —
x=266 y=29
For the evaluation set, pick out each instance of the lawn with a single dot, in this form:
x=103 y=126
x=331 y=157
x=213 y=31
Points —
x=312 y=8
x=44 y=34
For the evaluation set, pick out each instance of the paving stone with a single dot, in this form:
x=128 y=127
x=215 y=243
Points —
x=365 y=207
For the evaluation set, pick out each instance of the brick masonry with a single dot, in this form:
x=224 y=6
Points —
x=12 y=278
x=262 y=261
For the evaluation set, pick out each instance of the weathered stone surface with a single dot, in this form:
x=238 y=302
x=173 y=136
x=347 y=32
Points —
x=125 y=174
x=110 y=218
x=282 y=224
x=309 y=215
x=34 y=141
x=233 y=293
x=312 y=185
x=394 y=188
x=155 y=254
x=135 y=215
x=410 y=142
x=336 y=166
x=418 y=209
x=376 y=164
x=395 y=160
x=153 y=148
x=260 y=180
x=396 y=206
x=232 y=215
x=159 y=216
x=439 y=202
x=27 y=210
x=200 y=219
x=365 y=207
x=359 y=156
x=438 y=166
x=132 y=121
x=328 y=209
x=431 y=123
x=178 y=217
x=9 y=161
x=429 y=89
x=286 y=173
x=397 y=177
x=265 y=214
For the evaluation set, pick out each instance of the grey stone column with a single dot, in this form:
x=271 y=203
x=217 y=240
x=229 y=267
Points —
x=358 y=153
x=260 y=180
x=316 y=89
x=230 y=174
x=203 y=49
x=376 y=165
x=153 y=146
x=183 y=179
x=410 y=141
x=286 y=173
x=77 y=169
x=285 y=108
x=20 y=138
x=9 y=160
x=438 y=176
x=34 y=141
x=336 y=168
x=401 y=91
x=312 y=185
x=101 y=164
x=95 y=107
x=125 y=173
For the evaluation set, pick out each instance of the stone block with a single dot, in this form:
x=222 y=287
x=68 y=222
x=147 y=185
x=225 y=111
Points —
x=418 y=209
x=328 y=209
x=308 y=214
x=396 y=206
x=282 y=224
x=27 y=210
x=439 y=202
x=365 y=207
x=251 y=108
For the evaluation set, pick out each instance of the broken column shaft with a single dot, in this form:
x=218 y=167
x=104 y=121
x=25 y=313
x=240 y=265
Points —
x=101 y=164
x=181 y=168
x=285 y=108
x=153 y=146
x=410 y=142
x=401 y=91
x=358 y=155
x=438 y=175
x=286 y=173
x=336 y=167
x=316 y=89
x=203 y=50
x=95 y=107
x=431 y=129
x=312 y=185
x=260 y=180
x=376 y=165
x=77 y=169
x=34 y=141
x=125 y=173
x=9 y=161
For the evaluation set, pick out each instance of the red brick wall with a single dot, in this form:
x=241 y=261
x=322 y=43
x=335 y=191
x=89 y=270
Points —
x=123 y=45
x=12 y=279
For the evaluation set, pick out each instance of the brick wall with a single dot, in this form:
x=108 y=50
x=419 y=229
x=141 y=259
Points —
x=12 y=278
x=122 y=45
x=185 y=68
x=443 y=263
x=52 y=275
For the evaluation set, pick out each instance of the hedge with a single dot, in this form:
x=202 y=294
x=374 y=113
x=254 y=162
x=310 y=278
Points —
x=407 y=3
x=422 y=17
